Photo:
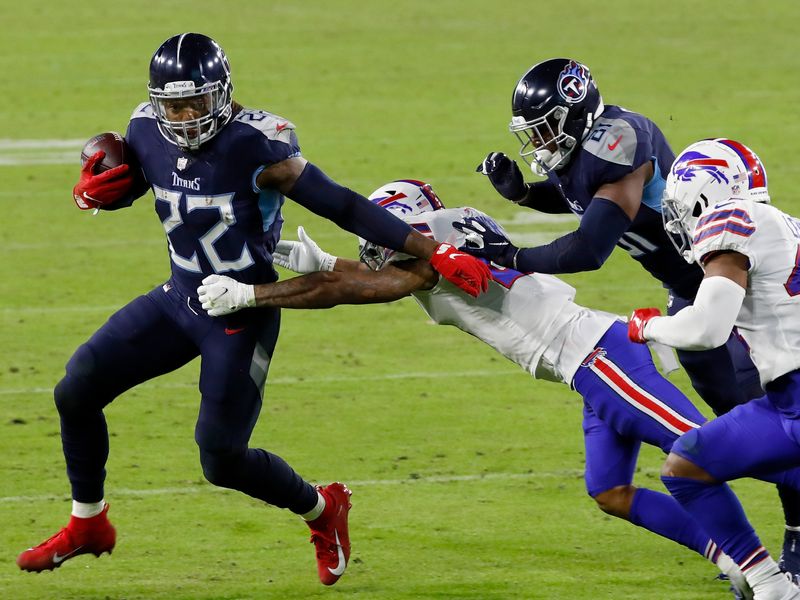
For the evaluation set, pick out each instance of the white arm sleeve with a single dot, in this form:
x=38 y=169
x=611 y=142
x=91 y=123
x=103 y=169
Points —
x=707 y=323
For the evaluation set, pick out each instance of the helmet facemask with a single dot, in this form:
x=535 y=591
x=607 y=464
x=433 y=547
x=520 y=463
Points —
x=214 y=98
x=680 y=220
x=545 y=144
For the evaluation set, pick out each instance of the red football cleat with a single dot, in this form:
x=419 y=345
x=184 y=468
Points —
x=329 y=533
x=81 y=536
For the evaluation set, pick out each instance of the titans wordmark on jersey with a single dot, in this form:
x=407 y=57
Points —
x=215 y=217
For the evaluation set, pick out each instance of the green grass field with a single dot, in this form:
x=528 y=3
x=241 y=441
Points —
x=466 y=473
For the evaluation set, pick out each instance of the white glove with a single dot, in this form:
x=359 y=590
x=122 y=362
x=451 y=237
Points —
x=220 y=295
x=304 y=256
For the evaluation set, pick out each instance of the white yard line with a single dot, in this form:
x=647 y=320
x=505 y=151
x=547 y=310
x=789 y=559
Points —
x=209 y=489
x=303 y=380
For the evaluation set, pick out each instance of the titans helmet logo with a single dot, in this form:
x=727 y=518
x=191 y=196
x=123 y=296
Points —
x=573 y=82
x=689 y=164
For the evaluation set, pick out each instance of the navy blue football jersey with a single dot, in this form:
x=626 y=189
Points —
x=215 y=217
x=619 y=143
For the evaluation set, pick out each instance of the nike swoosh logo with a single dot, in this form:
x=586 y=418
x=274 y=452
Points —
x=281 y=126
x=454 y=256
x=342 y=564
x=58 y=559
x=615 y=144
x=233 y=331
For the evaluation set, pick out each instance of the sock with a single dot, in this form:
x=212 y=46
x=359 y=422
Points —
x=315 y=512
x=662 y=515
x=86 y=510
x=718 y=511
x=765 y=572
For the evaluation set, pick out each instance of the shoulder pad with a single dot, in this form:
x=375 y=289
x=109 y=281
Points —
x=144 y=110
x=613 y=140
x=271 y=126
x=725 y=226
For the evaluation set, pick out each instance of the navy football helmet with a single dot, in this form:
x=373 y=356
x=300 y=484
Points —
x=554 y=106
x=191 y=69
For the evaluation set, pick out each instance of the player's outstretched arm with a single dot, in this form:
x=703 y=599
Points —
x=708 y=322
x=306 y=184
x=608 y=217
x=221 y=295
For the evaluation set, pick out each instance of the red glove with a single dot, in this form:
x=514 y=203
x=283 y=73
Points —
x=461 y=269
x=639 y=318
x=93 y=191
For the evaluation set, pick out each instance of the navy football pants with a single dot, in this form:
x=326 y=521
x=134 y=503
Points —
x=158 y=333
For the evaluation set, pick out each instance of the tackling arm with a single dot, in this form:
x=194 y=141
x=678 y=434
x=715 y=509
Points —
x=709 y=321
x=350 y=283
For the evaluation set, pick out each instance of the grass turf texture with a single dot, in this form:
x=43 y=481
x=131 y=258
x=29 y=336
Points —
x=378 y=90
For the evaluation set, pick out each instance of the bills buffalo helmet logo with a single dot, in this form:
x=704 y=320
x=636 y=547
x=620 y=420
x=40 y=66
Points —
x=573 y=82
x=690 y=163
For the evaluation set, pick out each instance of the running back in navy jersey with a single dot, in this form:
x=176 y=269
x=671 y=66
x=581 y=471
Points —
x=619 y=143
x=215 y=218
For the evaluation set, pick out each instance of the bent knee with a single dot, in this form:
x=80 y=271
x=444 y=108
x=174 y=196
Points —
x=221 y=468
x=617 y=501
x=78 y=391
x=678 y=466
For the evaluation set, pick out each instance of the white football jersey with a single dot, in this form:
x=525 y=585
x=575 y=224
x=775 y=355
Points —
x=530 y=318
x=769 y=320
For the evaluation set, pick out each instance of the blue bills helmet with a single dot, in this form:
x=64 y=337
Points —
x=192 y=70
x=553 y=108
x=404 y=198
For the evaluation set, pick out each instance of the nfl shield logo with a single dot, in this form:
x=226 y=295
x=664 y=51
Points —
x=182 y=162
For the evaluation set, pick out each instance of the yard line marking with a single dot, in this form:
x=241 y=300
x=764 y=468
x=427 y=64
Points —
x=308 y=380
x=39 y=152
x=9 y=144
x=208 y=488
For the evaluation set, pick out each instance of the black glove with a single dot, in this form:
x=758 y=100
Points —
x=484 y=242
x=504 y=175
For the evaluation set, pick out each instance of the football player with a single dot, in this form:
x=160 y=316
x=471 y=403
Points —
x=531 y=319
x=219 y=173
x=716 y=208
x=608 y=165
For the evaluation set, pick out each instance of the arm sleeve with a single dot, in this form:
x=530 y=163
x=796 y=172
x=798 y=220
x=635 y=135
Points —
x=705 y=324
x=585 y=249
x=321 y=195
x=544 y=197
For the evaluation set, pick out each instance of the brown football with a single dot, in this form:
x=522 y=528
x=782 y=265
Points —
x=117 y=150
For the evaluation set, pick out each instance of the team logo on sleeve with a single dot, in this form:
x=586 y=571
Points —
x=573 y=82
x=689 y=164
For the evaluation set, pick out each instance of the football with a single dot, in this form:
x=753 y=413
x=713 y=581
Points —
x=117 y=150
